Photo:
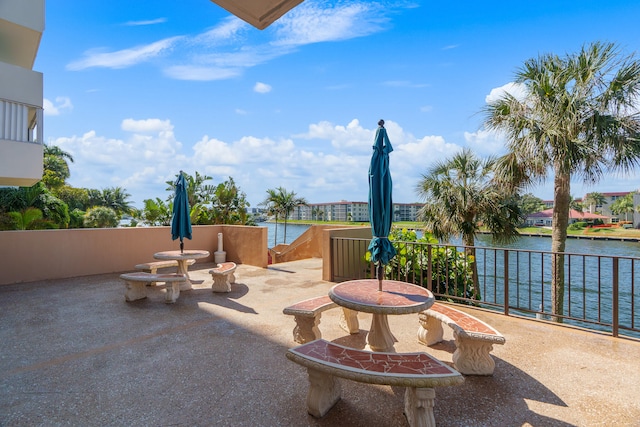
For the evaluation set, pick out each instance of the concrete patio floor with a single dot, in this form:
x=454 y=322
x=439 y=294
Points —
x=74 y=353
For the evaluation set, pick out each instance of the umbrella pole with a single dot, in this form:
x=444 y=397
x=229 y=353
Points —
x=181 y=246
x=380 y=274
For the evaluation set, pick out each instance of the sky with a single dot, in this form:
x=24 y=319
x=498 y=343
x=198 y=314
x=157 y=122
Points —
x=138 y=91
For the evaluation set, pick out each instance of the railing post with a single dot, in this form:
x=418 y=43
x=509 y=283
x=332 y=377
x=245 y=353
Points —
x=429 y=269
x=615 y=321
x=506 y=282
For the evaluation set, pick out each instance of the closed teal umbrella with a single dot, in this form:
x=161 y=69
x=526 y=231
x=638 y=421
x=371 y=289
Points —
x=380 y=202
x=181 y=219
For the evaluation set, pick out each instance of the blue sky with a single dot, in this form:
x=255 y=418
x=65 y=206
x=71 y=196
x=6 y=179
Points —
x=137 y=91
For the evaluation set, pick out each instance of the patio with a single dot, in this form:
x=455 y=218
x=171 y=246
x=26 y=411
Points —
x=75 y=353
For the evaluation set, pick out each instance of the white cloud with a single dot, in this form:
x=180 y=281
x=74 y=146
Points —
x=147 y=22
x=486 y=143
x=518 y=90
x=62 y=103
x=328 y=162
x=122 y=58
x=146 y=126
x=262 y=88
x=214 y=54
x=316 y=22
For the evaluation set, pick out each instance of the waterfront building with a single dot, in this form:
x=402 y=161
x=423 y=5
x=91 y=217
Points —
x=351 y=211
x=21 y=100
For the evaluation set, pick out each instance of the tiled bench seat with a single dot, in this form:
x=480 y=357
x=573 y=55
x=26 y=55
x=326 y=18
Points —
x=418 y=372
x=307 y=315
x=474 y=338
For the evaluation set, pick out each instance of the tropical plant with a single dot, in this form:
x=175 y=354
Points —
x=594 y=200
x=528 y=204
x=461 y=197
x=578 y=117
x=623 y=205
x=100 y=217
x=229 y=204
x=451 y=271
x=55 y=166
x=156 y=212
x=280 y=202
x=30 y=219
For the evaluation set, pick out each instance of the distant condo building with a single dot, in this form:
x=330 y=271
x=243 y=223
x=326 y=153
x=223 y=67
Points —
x=351 y=211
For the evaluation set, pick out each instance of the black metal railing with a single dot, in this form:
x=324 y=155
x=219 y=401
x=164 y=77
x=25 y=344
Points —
x=600 y=291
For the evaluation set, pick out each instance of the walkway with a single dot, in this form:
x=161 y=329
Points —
x=75 y=353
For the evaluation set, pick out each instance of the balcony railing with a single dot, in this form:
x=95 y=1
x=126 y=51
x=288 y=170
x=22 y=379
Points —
x=20 y=122
x=601 y=291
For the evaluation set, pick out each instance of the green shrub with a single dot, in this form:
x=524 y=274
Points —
x=451 y=270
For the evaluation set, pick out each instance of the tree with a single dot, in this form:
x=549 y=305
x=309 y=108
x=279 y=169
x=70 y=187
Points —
x=30 y=219
x=288 y=202
x=528 y=204
x=577 y=118
x=56 y=168
x=461 y=196
x=156 y=212
x=623 y=205
x=594 y=200
x=100 y=217
x=280 y=203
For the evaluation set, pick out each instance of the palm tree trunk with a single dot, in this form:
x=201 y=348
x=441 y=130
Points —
x=468 y=240
x=275 y=234
x=285 y=229
x=560 y=224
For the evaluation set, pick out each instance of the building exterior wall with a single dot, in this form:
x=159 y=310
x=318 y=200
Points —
x=21 y=89
x=352 y=211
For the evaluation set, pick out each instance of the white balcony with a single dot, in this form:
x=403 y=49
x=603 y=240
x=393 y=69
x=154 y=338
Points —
x=21 y=27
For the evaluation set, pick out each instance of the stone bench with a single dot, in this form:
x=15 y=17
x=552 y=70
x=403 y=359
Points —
x=153 y=266
x=223 y=276
x=135 y=285
x=474 y=338
x=420 y=373
x=307 y=315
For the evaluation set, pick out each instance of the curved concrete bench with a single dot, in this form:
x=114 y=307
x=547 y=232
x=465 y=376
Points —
x=418 y=372
x=153 y=266
x=223 y=276
x=135 y=284
x=474 y=338
x=307 y=315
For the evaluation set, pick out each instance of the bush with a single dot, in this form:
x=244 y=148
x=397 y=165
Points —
x=451 y=270
x=578 y=226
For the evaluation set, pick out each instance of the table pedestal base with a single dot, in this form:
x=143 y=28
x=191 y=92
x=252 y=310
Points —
x=182 y=269
x=380 y=337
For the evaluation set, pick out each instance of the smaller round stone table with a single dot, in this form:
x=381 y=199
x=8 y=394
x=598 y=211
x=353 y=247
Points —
x=395 y=298
x=182 y=258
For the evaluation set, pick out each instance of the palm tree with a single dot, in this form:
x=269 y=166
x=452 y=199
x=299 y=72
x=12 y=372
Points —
x=288 y=202
x=271 y=204
x=280 y=202
x=461 y=195
x=623 y=205
x=116 y=199
x=593 y=200
x=578 y=117
x=56 y=168
x=30 y=219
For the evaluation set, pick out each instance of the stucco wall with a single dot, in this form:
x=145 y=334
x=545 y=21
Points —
x=26 y=256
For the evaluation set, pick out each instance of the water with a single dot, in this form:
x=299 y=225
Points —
x=293 y=232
